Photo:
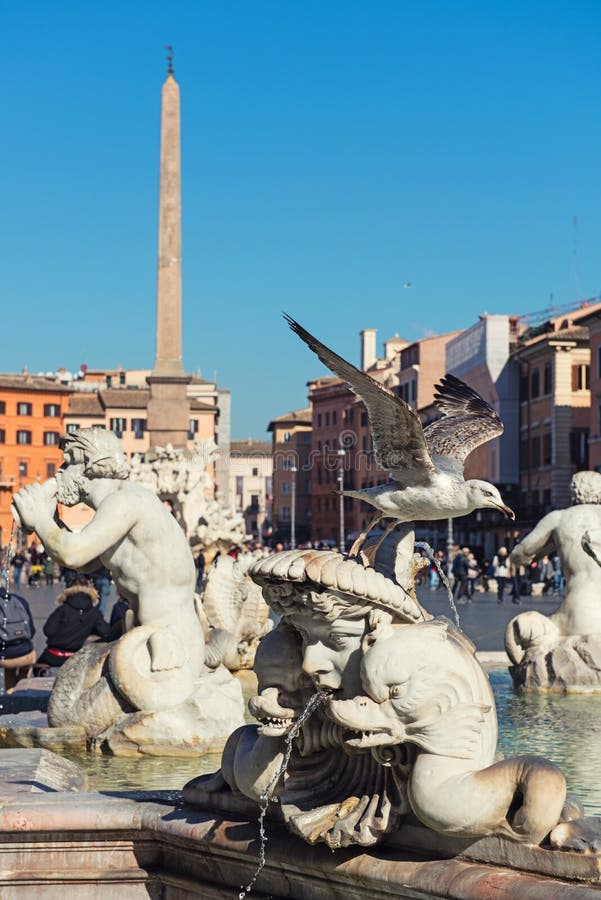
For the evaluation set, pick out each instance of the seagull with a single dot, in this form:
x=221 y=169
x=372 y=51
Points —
x=425 y=465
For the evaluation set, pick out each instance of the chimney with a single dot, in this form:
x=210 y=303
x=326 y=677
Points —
x=368 y=348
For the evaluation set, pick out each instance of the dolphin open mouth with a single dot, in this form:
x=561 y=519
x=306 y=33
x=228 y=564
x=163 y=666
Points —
x=363 y=740
x=276 y=726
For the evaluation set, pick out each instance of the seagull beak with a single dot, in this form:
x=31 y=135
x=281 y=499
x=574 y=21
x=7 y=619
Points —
x=506 y=510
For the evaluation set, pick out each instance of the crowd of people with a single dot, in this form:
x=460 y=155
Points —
x=80 y=613
x=81 y=608
x=497 y=574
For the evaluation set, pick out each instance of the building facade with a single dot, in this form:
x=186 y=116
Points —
x=555 y=409
x=31 y=422
x=251 y=484
x=291 y=506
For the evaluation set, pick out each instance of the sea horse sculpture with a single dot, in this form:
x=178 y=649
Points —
x=408 y=723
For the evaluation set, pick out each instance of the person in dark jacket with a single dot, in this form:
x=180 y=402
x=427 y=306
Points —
x=461 y=569
x=68 y=627
x=17 y=655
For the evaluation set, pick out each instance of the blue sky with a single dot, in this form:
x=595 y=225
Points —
x=332 y=151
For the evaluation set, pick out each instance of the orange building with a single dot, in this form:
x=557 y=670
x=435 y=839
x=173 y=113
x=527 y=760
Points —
x=31 y=422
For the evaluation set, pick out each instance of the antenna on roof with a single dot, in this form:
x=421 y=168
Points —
x=575 y=258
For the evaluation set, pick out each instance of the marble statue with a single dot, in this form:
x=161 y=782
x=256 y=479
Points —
x=404 y=724
x=124 y=693
x=563 y=651
x=181 y=479
x=234 y=613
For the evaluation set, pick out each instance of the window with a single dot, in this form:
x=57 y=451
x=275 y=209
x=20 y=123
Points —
x=364 y=418
x=285 y=487
x=239 y=484
x=121 y=378
x=548 y=379
x=193 y=430
x=334 y=417
x=413 y=387
x=22 y=469
x=327 y=418
x=72 y=426
x=138 y=426
x=350 y=416
x=523 y=388
x=2 y=407
x=286 y=437
x=52 y=410
x=579 y=448
x=51 y=438
x=285 y=513
x=524 y=462
x=50 y=470
x=535 y=460
x=319 y=420
x=2 y=436
x=254 y=501
x=255 y=471
x=547 y=448
x=580 y=378
x=24 y=409
x=118 y=426
x=23 y=437
x=535 y=384
x=598 y=364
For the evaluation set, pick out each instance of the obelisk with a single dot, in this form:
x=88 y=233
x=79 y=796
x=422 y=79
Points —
x=168 y=406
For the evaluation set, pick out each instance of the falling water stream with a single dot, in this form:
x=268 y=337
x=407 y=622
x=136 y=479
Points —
x=267 y=795
x=422 y=545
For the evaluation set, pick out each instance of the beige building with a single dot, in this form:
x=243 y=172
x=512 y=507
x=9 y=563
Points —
x=251 y=484
x=118 y=401
x=555 y=399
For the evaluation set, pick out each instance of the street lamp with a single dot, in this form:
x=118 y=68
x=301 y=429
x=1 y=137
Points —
x=341 y=455
x=293 y=471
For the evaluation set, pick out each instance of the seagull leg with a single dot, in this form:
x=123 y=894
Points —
x=369 y=554
x=354 y=551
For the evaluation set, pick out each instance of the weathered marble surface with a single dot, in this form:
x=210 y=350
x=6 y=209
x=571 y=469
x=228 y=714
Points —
x=562 y=652
x=406 y=725
x=26 y=771
x=153 y=680
x=234 y=614
x=181 y=478
x=99 y=847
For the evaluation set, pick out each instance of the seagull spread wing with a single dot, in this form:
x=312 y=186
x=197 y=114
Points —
x=399 y=441
x=468 y=421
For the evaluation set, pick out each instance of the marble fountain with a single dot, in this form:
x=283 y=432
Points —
x=371 y=770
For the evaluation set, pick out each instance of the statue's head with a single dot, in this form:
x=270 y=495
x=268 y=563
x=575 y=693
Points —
x=332 y=602
x=585 y=487
x=88 y=453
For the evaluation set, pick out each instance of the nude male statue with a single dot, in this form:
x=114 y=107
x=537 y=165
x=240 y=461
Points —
x=562 y=531
x=132 y=534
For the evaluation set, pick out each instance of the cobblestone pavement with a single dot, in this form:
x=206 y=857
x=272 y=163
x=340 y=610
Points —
x=483 y=620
